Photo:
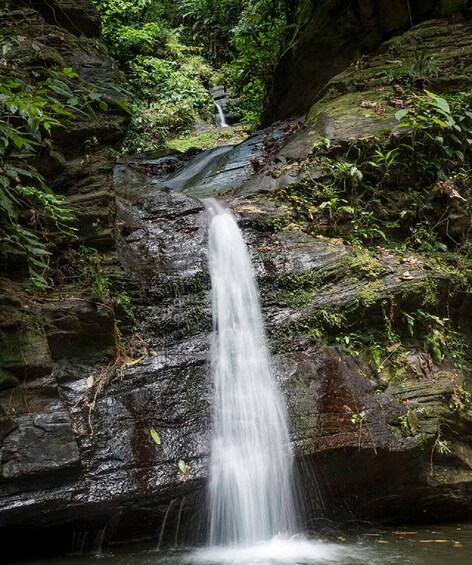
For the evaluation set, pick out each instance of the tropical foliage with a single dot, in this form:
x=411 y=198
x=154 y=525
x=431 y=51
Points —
x=30 y=209
x=401 y=187
x=168 y=78
x=257 y=38
x=169 y=52
x=33 y=107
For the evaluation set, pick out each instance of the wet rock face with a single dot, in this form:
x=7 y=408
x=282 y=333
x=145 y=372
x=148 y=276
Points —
x=40 y=441
x=90 y=461
x=347 y=431
x=42 y=463
x=349 y=419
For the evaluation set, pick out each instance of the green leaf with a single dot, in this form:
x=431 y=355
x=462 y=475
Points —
x=155 y=436
x=401 y=114
x=69 y=72
x=61 y=90
x=7 y=205
x=123 y=105
x=184 y=470
x=94 y=95
x=439 y=102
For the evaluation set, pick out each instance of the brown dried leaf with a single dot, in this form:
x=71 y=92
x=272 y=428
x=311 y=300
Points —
x=447 y=188
x=406 y=276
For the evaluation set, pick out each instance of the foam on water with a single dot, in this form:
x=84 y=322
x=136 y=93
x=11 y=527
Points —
x=276 y=551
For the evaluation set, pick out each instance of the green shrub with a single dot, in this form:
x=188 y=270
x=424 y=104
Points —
x=30 y=209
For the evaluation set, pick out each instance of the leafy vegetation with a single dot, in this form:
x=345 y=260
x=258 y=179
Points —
x=30 y=209
x=172 y=52
x=34 y=107
x=209 y=26
x=362 y=198
x=168 y=79
x=257 y=39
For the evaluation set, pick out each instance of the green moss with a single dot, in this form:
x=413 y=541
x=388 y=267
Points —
x=364 y=264
x=10 y=354
x=303 y=421
x=207 y=139
x=293 y=289
x=298 y=289
x=369 y=293
x=354 y=114
x=431 y=292
x=457 y=267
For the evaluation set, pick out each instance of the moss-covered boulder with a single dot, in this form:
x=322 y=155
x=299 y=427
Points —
x=330 y=35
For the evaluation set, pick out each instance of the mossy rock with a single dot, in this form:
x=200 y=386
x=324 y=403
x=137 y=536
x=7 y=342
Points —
x=7 y=379
x=331 y=35
x=24 y=349
x=354 y=115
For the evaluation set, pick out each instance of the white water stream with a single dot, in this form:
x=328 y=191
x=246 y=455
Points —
x=253 y=518
x=251 y=459
x=221 y=116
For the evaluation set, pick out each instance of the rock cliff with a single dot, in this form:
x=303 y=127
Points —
x=332 y=35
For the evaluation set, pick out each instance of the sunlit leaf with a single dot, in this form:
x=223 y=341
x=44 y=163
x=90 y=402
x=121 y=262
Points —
x=184 y=470
x=155 y=436
x=132 y=362
x=401 y=114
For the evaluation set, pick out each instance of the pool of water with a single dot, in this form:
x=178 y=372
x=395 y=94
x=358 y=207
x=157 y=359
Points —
x=437 y=545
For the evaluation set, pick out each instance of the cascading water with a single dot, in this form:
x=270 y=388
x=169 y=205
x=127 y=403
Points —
x=221 y=116
x=251 y=502
x=251 y=459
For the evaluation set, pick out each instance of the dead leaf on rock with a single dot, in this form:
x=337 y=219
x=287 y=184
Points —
x=412 y=260
x=406 y=276
x=447 y=188
x=425 y=363
x=398 y=102
x=379 y=109
x=131 y=362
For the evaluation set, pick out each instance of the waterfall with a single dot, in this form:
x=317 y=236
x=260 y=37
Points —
x=253 y=519
x=221 y=116
x=250 y=483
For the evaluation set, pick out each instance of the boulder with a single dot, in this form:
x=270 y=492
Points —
x=333 y=35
